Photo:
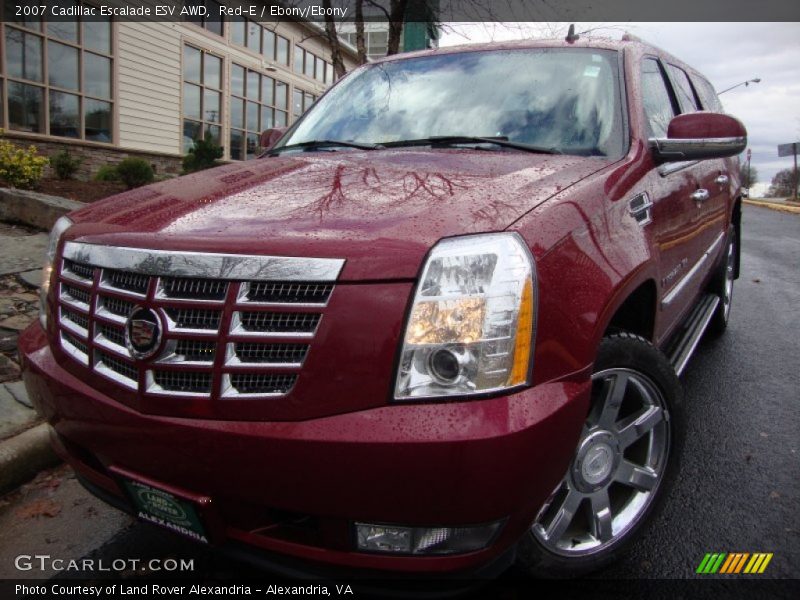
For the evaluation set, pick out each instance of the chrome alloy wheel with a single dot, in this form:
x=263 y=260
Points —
x=617 y=469
x=730 y=266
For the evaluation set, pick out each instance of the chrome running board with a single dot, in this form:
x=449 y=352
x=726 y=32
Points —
x=683 y=344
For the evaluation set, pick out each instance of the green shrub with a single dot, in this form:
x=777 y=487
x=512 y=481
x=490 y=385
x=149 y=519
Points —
x=203 y=155
x=65 y=165
x=20 y=167
x=135 y=172
x=107 y=173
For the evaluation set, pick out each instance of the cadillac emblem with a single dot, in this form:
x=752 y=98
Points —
x=142 y=333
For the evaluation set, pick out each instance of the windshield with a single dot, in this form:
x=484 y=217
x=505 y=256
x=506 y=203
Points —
x=566 y=100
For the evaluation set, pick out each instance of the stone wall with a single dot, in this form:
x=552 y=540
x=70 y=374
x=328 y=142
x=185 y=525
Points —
x=34 y=209
x=95 y=155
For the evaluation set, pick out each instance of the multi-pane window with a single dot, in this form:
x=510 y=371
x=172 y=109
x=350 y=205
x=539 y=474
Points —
x=274 y=47
x=260 y=40
x=212 y=20
x=258 y=102
x=58 y=78
x=281 y=50
x=301 y=102
x=312 y=66
x=375 y=42
x=202 y=96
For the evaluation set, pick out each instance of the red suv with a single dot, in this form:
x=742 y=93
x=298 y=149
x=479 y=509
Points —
x=436 y=328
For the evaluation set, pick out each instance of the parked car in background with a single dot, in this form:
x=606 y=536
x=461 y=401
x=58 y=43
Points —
x=437 y=328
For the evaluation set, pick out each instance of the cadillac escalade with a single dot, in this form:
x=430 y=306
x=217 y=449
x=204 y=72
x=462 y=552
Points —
x=437 y=327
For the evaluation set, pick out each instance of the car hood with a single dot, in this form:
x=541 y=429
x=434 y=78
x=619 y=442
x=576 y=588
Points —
x=379 y=210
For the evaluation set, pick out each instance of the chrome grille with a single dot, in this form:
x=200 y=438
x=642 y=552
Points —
x=194 y=351
x=100 y=286
x=193 y=289
x=254 y=352
x=78 y=271
x=183 y=381
x=270 y=322
x=288 y=293
x=125 y=280
x=74 y=347
x=77 y=318
x=120 y=367
x=115 y=335
x=75 y=293
x=116 y=306
x=190 y=318
x=262 y=383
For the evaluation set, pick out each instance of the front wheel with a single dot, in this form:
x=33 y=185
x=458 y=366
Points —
x=623 y=466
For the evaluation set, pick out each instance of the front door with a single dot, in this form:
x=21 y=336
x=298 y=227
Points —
x=678 y=224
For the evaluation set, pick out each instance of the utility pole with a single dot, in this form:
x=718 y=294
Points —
x=749 y=172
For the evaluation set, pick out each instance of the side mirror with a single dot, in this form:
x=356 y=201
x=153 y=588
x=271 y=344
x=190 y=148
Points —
x=269 y=137
x=699 y=136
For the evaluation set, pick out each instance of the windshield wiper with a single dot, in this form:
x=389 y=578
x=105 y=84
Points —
x=314 y=144
x=449 y=140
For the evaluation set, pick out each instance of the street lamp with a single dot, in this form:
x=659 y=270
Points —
x=744 y=83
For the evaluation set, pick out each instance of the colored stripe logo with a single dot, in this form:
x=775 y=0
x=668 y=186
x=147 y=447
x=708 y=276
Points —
x=734 y=563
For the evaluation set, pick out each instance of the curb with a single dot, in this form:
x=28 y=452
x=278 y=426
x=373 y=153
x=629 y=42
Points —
x=774 y=206
x=24 y=455
x=34 y=209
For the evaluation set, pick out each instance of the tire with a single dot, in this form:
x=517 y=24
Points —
x=722 y=285
x=633 y=433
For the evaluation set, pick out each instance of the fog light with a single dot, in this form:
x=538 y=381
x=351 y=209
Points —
x=394 y=539
x=378 y=538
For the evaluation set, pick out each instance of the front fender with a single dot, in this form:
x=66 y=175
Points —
x=584 y=278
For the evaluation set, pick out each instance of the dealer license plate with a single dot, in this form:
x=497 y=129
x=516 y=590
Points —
x=167 y=510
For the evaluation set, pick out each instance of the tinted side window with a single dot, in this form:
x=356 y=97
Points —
x=683 y=89
x=708 y=97
x=655 y=96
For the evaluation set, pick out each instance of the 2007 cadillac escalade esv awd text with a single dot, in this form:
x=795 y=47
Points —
x=437 y=327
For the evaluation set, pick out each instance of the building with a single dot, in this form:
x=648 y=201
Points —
x=107 y=89
x=417 y=35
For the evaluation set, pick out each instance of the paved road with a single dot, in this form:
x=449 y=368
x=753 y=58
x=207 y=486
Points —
x=739 y=490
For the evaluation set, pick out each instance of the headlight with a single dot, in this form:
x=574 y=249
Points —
x=59 y=228
x=470 y=329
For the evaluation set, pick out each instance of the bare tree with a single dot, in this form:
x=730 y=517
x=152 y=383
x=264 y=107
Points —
x=782 y=185
x=748 y=174
x=396 y=19
x=396 y=13
x=361 y=45
x=333 y=40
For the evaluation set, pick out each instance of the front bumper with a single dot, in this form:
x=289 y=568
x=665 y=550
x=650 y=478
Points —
x=295 y=488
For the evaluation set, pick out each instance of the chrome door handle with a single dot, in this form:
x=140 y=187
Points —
x=721 y=180
x=700 y=195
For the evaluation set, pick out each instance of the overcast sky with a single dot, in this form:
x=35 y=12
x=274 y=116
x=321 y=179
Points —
x=727 y=53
